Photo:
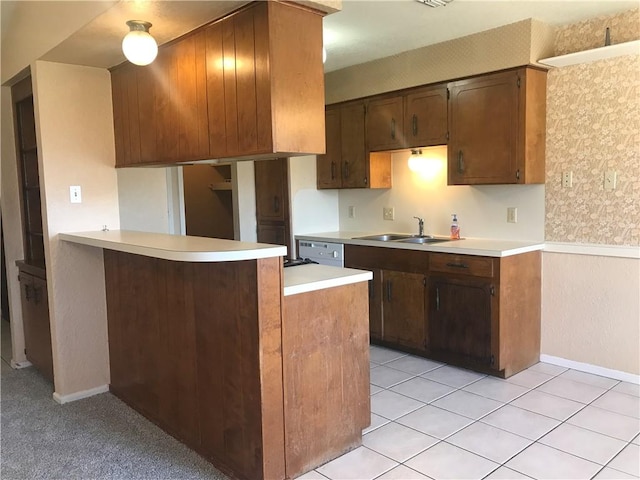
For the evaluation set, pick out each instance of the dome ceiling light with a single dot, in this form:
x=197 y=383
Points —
x=138 y=45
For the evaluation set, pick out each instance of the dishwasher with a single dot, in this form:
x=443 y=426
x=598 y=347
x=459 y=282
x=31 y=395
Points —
x=324 y=253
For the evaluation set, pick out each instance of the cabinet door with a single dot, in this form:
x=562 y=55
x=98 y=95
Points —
x=354 y=158
x=460 y=317
x=385 y=124
x=329 y=165
x=425 y=121
x=37 y=331
x=273 y=234
x=484 y=130
x=271 y=184
x=403 y=308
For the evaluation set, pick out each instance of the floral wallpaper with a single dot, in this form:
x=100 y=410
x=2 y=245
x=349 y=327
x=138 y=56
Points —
x=593 y=125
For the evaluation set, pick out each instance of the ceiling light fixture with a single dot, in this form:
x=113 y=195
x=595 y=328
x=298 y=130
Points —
x=138 y=45
x=435 y=3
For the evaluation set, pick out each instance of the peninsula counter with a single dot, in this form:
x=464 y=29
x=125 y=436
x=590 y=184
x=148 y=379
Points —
x=264 y=372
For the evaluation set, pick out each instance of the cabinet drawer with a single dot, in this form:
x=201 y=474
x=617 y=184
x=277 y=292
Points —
x=461 y=264
x=410 y=261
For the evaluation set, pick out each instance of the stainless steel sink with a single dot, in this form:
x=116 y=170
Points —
x=404 y=238
x=423 y=240
x=384 y=237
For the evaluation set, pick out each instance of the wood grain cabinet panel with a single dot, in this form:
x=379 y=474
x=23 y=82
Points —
x=385 y=124
x=497 y=128
x=403 y=309
x=248 y=85
x=347 y=162
x=425 y=117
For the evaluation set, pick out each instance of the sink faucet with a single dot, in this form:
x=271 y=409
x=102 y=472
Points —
x=420 y=226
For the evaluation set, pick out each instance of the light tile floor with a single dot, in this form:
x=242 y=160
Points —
x=431 y=420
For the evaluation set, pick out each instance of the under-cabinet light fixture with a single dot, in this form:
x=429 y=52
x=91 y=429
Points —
x=435 y=3
x=416 y=160
x=138 y=45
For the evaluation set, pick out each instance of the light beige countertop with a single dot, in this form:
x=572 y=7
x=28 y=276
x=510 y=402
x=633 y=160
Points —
x=179 y=248
x=311 y=277
x=465 y=246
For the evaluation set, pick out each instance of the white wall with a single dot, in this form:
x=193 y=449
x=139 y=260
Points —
x=482 y=210
x=591 y=310
x=244 y=201
x=144 y=200
x=74 y=126
x=312 y=210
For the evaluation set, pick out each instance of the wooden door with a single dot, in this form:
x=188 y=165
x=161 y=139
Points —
x=354 y=158
x=484 y=130
x=329 y=165
x=403 y=308
x=460 y=317
x=385 y=124
x=425 y=121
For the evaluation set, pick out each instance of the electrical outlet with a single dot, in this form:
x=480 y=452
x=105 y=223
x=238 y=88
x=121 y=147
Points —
x=567 y=179
x=512 y=215
x=75 y=194
x=388 y=213
x=610 y=180
x=352 y=211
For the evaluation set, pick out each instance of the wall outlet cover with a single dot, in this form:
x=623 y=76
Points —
x=352 y=211
x=512 y=215
x=610 y=180
x=388 y=213
x=567 y=179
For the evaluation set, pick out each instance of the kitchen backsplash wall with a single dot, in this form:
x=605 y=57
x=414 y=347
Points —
x=593 y=125
x=482 y=210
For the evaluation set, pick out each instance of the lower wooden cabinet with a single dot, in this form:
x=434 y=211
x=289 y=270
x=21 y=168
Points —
x=460 y=318
x=35 y=319
x=473 y=311
x=403 y=308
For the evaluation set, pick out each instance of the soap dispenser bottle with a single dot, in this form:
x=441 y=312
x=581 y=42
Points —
x=455 y=228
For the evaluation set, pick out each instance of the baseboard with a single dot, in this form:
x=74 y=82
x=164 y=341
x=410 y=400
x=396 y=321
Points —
x=589 y=368
x=18 y=365
x=72 y=397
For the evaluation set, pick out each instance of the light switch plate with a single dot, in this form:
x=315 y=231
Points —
x=75 y=194
x=388 y=213
x=352 y=211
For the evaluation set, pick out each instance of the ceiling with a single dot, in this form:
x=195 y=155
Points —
x=361 y=32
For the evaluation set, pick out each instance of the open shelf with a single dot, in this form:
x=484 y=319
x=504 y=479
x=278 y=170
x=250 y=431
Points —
x=586 y=56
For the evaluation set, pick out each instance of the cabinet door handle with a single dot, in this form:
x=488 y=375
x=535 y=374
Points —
x=333 y=170
x=276 y=203
x=346 y=169
x=437 y=299
x=393 y=128
x=388 y=290
x=457 y=265
x=460 y=162
x=414 y=122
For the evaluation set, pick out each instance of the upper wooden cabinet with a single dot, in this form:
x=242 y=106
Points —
x=425 y=117
x=497 y=128
x=385 y=124
x=249 y=85
x=347 y=163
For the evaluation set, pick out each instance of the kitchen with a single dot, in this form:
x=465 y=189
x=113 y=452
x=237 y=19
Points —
x=482 y=222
